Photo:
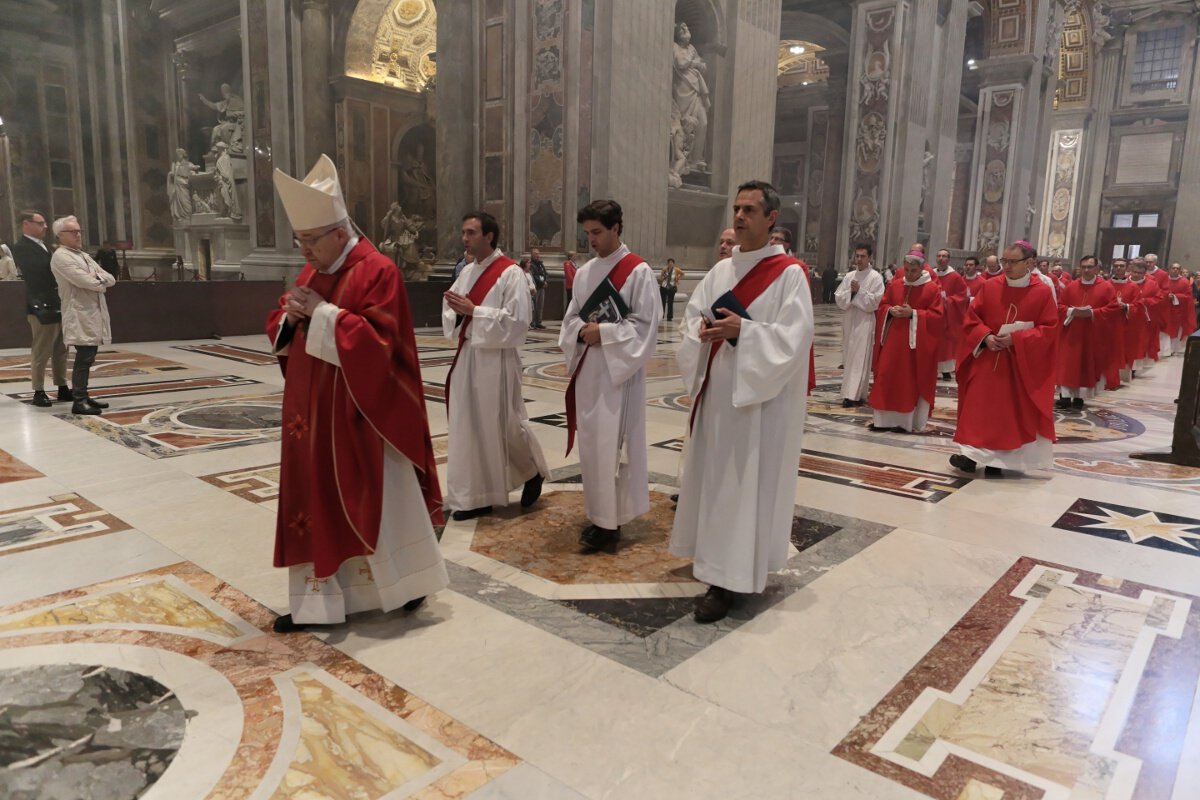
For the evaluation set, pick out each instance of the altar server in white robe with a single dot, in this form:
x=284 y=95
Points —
x=492 y=447
x=739 y=476
x=859 y=296
x=607 y=362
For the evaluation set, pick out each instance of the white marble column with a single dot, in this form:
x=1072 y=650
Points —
x=1104 y=98
x=755 y=45
x=314 y=82
x=944 y=122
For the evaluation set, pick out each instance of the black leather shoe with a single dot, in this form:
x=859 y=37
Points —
x=414 y=604
x=993 y=472
x=284 y=624
x=1062 y=402
x=471 y=513
x=714 y=605
x=595 y=539
x=532 y=491
x=945 y=376
x=847 y=403
x=96 y=403
x=1077 y=403
x=65 y=395
x=961 y=462
x=82 y=408
x=41 y=400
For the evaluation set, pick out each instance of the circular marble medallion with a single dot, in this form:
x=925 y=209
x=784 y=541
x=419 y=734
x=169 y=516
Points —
x=232 y=417
x=86 y=731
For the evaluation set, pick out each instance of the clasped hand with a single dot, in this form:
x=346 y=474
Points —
x=590 y=334
x=997 y=342
x=460 y=304
x=301 y=303
x=901 y=311
x=728 y=327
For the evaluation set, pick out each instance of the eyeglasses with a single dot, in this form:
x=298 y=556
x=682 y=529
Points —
x=41 y=223
x=309 y=242
x=1005 y=262
x=71 y=230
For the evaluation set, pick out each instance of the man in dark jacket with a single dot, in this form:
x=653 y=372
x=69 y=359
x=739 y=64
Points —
x=42 y=307
x=537 y=271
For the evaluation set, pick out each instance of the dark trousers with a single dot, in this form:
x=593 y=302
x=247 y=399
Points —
x=85 y=356
x=539 y=302
x=668 y=301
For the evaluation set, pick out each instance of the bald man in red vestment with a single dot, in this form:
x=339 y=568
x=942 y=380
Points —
x=910 y=323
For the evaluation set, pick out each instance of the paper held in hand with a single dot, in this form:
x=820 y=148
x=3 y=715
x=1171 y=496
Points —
x=1013 y=327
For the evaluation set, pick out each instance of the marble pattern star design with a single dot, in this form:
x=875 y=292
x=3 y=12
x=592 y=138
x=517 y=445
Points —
x=1144 y=526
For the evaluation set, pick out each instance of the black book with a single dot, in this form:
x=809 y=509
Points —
x=729 y=302
x=605 y=305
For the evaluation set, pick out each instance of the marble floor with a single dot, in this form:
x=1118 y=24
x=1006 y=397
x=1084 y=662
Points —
x=933 y=634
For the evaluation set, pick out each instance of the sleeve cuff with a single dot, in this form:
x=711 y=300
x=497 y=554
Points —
x=322 y=334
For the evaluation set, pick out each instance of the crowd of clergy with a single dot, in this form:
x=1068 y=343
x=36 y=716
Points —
x=359 y=493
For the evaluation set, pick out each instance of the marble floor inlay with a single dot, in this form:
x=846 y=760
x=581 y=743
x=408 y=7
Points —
x=1138 y=526
x=344 y=731
x=243 y=355
x=62 y=517
x=109 y=364
x=14 y=469
x=1059 y=682
x=143 y=388
x=172 y=429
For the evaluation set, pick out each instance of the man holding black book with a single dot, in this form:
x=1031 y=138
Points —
x=747 y=332
x=615 y=310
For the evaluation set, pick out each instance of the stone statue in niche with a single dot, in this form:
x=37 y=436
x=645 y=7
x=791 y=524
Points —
x=417 y=186
x=179 y=190
x=227 y=198
x=690 y=104
x=400 y=234
x=231 y=116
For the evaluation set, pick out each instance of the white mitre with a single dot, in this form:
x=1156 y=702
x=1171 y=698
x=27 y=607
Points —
x=316 y=201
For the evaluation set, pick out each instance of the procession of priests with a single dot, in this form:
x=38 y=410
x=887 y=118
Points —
x=360 y=497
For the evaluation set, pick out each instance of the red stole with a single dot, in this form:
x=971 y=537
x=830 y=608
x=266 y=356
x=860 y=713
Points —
x=748 y=289
x=618 y=275
x=483 y=284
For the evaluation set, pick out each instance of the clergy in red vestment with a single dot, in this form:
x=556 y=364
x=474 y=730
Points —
x=909 y=330
x=1182 y=311
x=992 y=269
x=954 y=299
x=1006 y=372
x=1163 y=312
x=1130 y=323
x=358 y=486
x=972 y=277
x=1085 y=311
x=1152 y=300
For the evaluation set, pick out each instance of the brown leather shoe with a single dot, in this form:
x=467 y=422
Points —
x=714 y=605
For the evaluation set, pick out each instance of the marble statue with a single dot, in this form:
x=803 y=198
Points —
x=417 y=186
x=689 y=108
x=227 y=197
x=232 y=114
x=179 y=189
x=400 y=234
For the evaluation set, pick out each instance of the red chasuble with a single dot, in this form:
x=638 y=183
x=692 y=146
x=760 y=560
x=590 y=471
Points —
x=335 y=421
x=904 y=375
x=1128 y=324
x=955 y=303
x=1082 y=344
x=1182 y=317
x=1163 y=313
x=1152 y=300
x=1006 y=399
x=974 y=284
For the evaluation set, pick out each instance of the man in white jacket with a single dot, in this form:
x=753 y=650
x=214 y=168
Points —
x=858 y=295
x=85 y=323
